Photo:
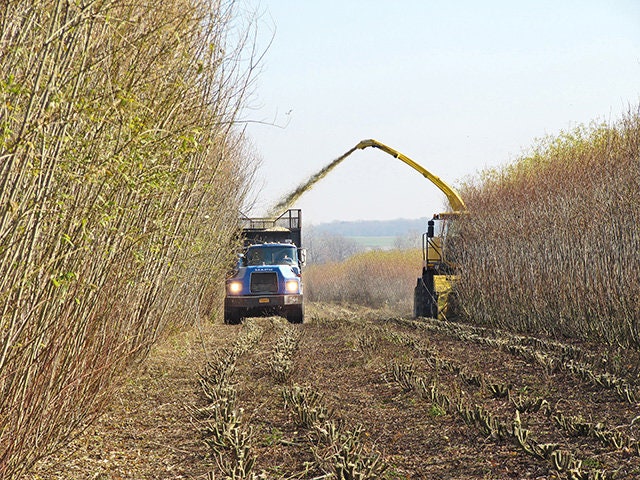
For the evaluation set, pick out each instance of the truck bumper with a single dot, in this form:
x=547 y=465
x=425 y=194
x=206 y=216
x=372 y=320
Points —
x=261 y=301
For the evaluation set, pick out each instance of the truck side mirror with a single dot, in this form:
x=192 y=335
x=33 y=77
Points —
x=242 y=260
x=302 y=256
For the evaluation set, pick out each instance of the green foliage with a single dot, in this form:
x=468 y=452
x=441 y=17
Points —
x=436 y=410
x=120 y=180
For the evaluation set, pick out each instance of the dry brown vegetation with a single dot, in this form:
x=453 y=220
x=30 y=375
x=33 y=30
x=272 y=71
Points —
x=374 y=279
x=551 y=242
x=121 y=175
x=367 y=392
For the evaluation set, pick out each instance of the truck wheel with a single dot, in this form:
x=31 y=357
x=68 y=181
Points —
x=295 y=313
x=232 y=316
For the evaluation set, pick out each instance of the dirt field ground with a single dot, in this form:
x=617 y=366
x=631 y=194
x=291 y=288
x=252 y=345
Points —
x=401 y=399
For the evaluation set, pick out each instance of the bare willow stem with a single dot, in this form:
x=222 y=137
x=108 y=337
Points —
x=121 y=176
x=551 y=241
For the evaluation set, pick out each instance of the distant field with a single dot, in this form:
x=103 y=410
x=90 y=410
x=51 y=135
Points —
x=382 y=243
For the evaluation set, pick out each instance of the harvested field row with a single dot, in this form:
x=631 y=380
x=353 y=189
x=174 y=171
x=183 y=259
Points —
x=364 y=367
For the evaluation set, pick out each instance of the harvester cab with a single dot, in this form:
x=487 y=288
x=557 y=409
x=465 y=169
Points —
x=436 y=273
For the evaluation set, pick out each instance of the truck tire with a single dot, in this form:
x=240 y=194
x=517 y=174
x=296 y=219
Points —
x=232 y=316
x=295 y=313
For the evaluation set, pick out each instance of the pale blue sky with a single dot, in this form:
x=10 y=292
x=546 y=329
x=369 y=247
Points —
x=457 y=86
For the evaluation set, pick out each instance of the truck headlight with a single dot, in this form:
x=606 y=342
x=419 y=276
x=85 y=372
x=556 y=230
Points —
x=291 y=286
x=235 y=287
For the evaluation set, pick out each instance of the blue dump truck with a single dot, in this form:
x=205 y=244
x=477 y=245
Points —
x=268 y=277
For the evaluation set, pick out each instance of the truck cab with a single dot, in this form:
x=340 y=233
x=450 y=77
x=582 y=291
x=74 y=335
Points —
x=268 y=277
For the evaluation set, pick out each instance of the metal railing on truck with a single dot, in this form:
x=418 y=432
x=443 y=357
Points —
x=291 y=220
x=286 y=227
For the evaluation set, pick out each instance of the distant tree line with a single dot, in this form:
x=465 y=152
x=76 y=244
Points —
x=374 y=228
x=324 y=247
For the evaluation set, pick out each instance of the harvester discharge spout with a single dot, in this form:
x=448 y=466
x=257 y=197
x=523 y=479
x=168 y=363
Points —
x=456 y=202
x=425 y=298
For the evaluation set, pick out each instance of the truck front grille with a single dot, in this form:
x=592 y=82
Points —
x=264 y=282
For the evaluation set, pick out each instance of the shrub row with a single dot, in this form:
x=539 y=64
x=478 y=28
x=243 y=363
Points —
x=120 y=178
x=551 y=241
x=375 y=278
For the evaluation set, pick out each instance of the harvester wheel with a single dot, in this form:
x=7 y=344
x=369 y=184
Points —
x=425 y=303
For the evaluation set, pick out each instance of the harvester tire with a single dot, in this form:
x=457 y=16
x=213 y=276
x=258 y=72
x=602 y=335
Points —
x=424 y=303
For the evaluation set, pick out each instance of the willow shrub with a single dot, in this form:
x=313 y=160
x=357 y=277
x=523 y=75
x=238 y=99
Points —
x=375 y=279
x=551 y=242
x=120 y=178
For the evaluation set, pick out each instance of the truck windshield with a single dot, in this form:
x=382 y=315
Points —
x=272 y=255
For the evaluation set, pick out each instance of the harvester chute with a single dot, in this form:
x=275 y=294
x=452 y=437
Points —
x=434 y=265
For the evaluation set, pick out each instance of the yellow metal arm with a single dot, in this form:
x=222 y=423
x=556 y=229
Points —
x=454 y=198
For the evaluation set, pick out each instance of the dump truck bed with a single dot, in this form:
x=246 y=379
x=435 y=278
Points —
x=286 y=228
